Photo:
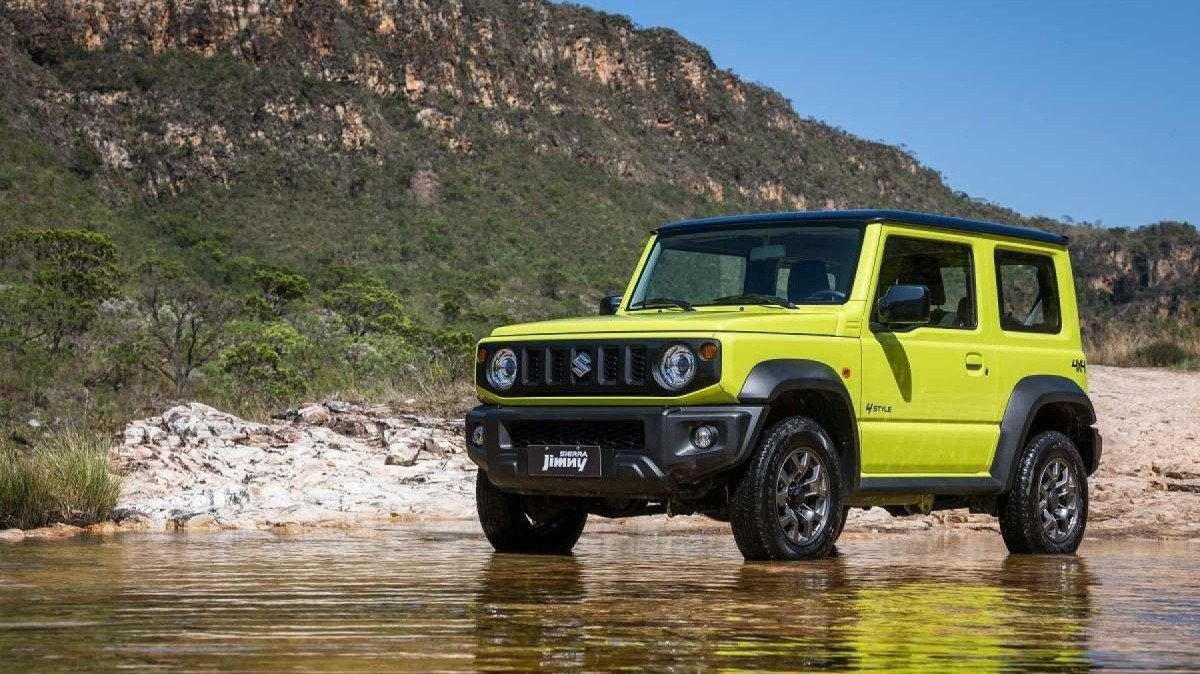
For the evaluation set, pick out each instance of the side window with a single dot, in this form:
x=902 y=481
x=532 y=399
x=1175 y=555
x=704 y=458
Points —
x=1028 y=292
x=944 y=268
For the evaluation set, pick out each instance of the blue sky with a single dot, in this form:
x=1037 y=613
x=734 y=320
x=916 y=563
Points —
x=1074 y=107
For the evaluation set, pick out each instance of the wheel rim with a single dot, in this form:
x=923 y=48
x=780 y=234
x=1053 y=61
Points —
x=802 y=496
x=1058 y=500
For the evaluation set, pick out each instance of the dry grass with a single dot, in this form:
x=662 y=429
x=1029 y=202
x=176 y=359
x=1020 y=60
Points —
x=66 y=478
x=1143 y=347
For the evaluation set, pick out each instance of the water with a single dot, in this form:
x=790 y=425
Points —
x=434 y=598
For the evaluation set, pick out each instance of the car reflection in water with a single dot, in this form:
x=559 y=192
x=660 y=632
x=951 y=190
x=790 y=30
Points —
x=556 y=614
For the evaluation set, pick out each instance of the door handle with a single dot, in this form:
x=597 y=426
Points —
x=974 y=361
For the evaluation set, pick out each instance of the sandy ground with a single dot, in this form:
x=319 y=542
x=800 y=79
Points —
x=336 y=464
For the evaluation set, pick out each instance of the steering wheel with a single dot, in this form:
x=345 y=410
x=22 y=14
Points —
x=828 y=296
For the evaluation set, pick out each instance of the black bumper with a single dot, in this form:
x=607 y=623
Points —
x=662 y=463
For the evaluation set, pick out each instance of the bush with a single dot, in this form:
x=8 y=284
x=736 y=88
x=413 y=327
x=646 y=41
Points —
x=264 y=360
x=65 y=479
x=1161 y=354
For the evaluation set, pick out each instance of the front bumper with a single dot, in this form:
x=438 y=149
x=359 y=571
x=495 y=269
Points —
x=665 y=464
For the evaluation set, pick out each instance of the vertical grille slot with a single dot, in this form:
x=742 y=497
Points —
x=534 y=372
x=558 y=366
x=610 y=365
x=637 y=364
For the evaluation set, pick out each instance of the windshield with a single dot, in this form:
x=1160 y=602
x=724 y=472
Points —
x=772 y=265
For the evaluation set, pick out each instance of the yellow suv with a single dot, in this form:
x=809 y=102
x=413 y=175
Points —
x=774 y=370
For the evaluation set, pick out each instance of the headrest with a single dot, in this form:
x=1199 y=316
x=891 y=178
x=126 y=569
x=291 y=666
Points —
x=805 y=278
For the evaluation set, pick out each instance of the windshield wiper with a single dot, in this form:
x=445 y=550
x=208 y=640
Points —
x=752 y=298
x=662 y=303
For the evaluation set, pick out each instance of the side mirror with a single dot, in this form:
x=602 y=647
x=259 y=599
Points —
x=904 y=306
x=609 y=305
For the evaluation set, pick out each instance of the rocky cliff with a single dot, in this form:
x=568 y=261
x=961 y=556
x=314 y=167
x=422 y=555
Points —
x=645 y=105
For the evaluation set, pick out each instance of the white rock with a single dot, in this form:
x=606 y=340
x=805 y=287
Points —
x=243 y=474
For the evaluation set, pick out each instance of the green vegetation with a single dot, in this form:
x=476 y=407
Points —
x=67 y=479
x=237 y=255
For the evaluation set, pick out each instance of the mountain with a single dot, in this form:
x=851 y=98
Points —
x=374 y=181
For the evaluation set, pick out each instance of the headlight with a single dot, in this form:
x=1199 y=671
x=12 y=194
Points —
x=677 y=368
x=502 y=371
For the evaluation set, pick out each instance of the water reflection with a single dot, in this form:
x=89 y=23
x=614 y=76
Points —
x=436 y=599
x=563 y=614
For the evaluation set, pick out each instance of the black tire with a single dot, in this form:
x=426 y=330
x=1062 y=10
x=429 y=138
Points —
x=539 y=525
x=1021 y=511
x=758 y=519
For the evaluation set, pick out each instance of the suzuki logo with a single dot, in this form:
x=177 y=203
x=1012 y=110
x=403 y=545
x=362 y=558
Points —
x=581 y=365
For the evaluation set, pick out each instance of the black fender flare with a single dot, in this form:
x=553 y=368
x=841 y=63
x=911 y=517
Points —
x=771 y=379
x=1029 y=396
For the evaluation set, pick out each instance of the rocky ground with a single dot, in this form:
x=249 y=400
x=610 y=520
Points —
x=337 y=464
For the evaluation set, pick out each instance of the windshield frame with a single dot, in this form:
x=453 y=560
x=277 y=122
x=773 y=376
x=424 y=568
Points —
x=656 y=248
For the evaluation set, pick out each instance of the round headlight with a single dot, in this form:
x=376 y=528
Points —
x=502 y=371
x=676 y=369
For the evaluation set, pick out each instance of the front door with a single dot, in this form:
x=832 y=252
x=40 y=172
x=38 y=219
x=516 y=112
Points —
x=928 y=391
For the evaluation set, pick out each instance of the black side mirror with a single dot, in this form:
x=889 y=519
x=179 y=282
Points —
x=609 y=305
x=904 y=306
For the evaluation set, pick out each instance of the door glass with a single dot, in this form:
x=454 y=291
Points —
x=943 y=268
x=1028 y=292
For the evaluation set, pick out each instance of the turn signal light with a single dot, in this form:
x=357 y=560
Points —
x=481 y=355
x=708 y=351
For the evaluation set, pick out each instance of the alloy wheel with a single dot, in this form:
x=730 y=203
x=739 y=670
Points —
x=802 y=496
x=1058 y=500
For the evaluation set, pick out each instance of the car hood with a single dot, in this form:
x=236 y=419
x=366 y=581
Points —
x=823 y=321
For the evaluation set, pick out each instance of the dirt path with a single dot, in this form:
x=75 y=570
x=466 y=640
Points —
x=1148 y=483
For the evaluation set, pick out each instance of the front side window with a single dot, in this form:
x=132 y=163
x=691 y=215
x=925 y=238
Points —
x=1028 y=292
x=944 y=268
x=772 y=265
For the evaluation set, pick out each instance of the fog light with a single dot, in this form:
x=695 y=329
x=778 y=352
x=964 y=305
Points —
x=704 y=437
x=477 y=436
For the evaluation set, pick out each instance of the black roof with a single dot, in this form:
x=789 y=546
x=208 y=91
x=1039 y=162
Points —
x=867 y=216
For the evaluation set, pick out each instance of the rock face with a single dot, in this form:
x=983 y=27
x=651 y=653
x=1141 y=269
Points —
x=195 y=467
x=646 y=105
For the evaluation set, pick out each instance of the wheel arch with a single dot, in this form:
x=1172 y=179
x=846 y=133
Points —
x=790 y=387
x=1043 y=403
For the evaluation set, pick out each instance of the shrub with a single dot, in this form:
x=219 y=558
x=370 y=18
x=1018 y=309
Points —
x=65 y=479
x=1162 y=353
x=264 y=360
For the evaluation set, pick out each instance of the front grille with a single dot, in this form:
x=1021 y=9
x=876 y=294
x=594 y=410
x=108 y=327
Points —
x=613 y=367
x=605 y=433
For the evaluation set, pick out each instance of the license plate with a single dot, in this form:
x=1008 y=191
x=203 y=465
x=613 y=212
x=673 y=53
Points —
x=564 y=460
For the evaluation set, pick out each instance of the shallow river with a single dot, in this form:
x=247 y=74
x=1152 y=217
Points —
x=434 y=598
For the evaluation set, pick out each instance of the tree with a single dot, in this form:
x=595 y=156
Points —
x=279 y=288
x=60 y=277
x=184 y=321
x=369 y=307
x=262 y=359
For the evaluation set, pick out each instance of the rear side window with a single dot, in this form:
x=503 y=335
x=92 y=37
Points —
x=1028 y=292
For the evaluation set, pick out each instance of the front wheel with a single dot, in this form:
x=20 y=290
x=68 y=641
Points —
x=531 y=524
x=1046 y=510
x=788 y=504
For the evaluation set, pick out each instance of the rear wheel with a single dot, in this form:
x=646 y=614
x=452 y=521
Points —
x=1046 y=510
x=788 y=505
x=543 y=525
